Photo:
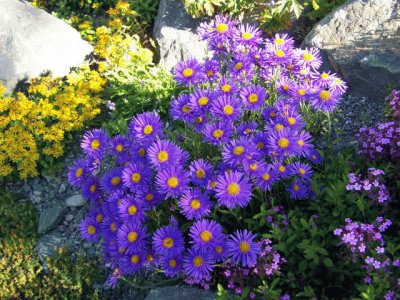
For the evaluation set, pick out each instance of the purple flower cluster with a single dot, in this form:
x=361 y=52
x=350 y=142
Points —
x=269 y=264
x=383 y=141
x=373 y=185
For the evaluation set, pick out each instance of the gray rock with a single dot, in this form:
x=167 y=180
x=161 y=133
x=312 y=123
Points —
x=361 y=40
x=50 y=218
x=62 y=188
x=69 y=217
x=175 y=33
x=48 y=244
x=37 y=193
x=33 y=41
x=180 y=293
x=76 y=201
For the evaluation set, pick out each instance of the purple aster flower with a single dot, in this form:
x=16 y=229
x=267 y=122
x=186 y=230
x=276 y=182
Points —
x=281 y=143
x=205 y=234
x=267 y=177
x=253 y=96
x=227 y=86
x=112 y=180
x=94 y=143
x=172 y=181
x=132 y=237
x=325 y=100
x=292 y=119
x=261 y=140
x=233 y=189
x=303 y=143
x=248 y=35
x=315 y=157
x=253 y=167
x=282 y=40
x=285 y=85
x=242 y=248
x=109 y=228
x=189 y=72
x=201 y=171
x=220 y=251
x=300 y=92
x=168 y=241
x=149 y=198
x=136 y=176
x=131 y=210
x=221 y=29
x=132 y=263
x=300 y=169
x=281 y=169
x=146 y=126
x=270 y=114
x=119 y=145
x=227 y=108
x=89 y=229
x=138 y=151
x=91 y=189
x=247 y=128
x=113 y=201
x=77 y=173
x=218 y=132
x=307 y=58
x=241 y=66
x=201 y=100
x=164 y=153
x=297 y=190
x=212 y=69
x=197 y=263
x=180 y=108
x=195 y=204
x=171 y=265
x=239 y=150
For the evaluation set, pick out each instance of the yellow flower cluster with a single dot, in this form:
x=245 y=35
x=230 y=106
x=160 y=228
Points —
x=34 y=124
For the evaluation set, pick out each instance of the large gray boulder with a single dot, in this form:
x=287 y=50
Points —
x=33 y=41
x=175 y=33
x=361 y=40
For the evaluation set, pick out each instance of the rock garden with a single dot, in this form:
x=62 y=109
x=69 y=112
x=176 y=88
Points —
x=215 y=149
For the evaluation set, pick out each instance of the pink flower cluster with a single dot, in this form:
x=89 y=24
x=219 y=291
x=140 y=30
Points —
x=373 y=185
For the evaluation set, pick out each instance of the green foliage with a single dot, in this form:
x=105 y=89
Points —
x=199 y=8
x=21 y=273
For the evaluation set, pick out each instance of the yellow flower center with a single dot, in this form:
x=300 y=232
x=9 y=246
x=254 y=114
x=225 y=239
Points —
x=195 y=204
x=113 y=228
x=278 y=41
x=186 y=109
x=172 y=263
x=281 y=169
x=283 y=143
x=132 y=210
x=244 y=247
x=296 y=187
x=221 y=28
x=95 y=144
x=142 y=152
x=285 y=87
x=199 y=120
x=136 y=177
x=218 y=133
x=93 y=188
x=162 y=156
x=99 y=218
x=253 y=167
x=200 y=173
x=168 y=242
x=91 y=229
x=173 y=182
x=313 y=157
x=233 y=189
x=248 y=130
x=135 y=259
x=260 y=145
x=238 y=66
x=308 y=57
x=198 y=261
x=149 y=257
x=266 y=176
x=278 y=127
x=119 y=201
x=213 y=184
x=291 y=120
x=119 y=148
x=253 y=98
x=324 y=76
x=325 y=95
x=148 y=129
x=132 y=236
x=302 y=171
x=187 y=72
x=218 y=249
x=228 y=110
x=78 y=172
x=149 y=197
x=206 y=236
x=121 y=250
x=301 y=92
x=246 y=36
x=226 y=88
x=300 y=143
x=210 y=73
x=279 y=53
x=203 y=101
x=115 y=181
x=238 y=150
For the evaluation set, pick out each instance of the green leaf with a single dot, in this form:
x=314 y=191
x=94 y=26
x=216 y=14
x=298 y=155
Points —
x=328 y=262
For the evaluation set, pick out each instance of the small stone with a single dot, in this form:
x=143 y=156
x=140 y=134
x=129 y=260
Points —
x=50 y=218
x=76 y=201
x=61 y=228
x=37 y=193
x=62 y=188
x=87 y=245
x=180 y=293
x=69 y=217
x=48 y=244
